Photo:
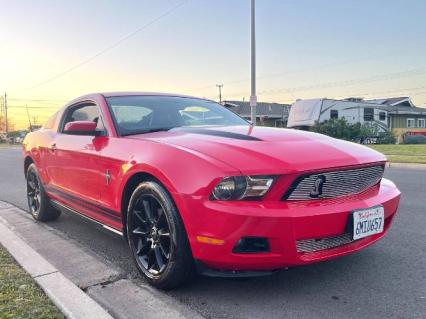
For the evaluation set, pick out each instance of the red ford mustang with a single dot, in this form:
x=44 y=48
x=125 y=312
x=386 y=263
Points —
x=192 y=186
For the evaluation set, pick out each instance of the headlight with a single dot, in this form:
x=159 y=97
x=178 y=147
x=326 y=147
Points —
x=242 y=187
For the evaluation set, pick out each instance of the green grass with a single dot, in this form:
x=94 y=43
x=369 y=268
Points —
x=20 y=296
x=403 y=153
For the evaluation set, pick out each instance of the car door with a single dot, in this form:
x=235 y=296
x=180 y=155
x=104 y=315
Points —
x=74 y=169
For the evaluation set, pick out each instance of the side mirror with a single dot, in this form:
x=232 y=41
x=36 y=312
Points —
x=81 y=128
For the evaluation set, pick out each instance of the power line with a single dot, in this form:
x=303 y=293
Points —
x=35 y=107
x=302 y=70
x=374 y=78
x=38 y=100
x=110 y=47
x=406 y=91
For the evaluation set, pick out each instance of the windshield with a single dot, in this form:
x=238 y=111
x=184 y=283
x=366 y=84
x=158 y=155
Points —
x=141 y=114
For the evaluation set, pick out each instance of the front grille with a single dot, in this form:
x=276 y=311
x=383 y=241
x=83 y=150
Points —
x=313 y=245
x=334 y=184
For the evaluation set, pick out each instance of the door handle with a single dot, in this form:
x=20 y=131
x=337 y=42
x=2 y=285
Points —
x=53 y=147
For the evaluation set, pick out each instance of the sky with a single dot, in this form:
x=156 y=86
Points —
x=57 y=50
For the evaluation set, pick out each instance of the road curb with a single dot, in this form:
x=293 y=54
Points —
x=105 y=288
x=71 y=300
x=407 y=165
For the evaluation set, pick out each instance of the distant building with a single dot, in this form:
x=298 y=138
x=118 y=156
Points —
x=397 y=114
x=404 y=117
x=34 y=127
x=267 y=114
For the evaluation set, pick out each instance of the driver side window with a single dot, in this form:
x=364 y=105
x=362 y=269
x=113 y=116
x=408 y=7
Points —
x=86 y=112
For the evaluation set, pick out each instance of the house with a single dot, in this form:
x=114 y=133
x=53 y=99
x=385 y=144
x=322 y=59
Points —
x=267 y=114
x=397 y=114
x=404 y=117
x=34 y=127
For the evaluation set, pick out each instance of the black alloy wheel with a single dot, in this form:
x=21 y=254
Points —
x=157 y=237
x=151 y=234
x=38 y=201
x=33 y=193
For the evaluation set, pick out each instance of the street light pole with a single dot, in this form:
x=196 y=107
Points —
x=220 y=86
x=253 y=97
x=5 y=113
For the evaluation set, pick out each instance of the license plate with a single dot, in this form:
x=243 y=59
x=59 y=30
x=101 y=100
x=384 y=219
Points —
x=367 y=222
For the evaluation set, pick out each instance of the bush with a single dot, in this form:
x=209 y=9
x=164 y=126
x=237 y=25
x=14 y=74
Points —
x=415 y=139
x=340 y=128
x=365 y=133
x=386 y=138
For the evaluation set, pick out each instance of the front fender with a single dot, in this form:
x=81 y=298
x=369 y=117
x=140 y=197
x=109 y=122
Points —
x=180 y=171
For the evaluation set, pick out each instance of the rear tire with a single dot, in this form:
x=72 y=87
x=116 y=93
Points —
x=157 y=237
x=38 y=202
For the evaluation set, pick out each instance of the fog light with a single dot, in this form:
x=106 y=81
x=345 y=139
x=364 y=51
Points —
x=251 y=245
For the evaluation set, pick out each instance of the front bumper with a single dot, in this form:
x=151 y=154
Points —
x=283 y=223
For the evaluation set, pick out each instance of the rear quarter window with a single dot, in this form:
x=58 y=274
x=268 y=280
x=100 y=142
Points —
x=51 y=122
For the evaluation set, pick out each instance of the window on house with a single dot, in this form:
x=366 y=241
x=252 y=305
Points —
x=411 y=123
x=334 y=114
x=382 y=116
x=368 y=114
x=421 y=123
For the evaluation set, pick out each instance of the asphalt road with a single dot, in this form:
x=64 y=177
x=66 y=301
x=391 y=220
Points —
x=386 y=280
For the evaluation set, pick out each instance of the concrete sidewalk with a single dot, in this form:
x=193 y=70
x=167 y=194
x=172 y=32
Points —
x=80 y=283
x=71 y=300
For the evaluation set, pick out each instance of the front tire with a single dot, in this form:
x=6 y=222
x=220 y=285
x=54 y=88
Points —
x=157 y=237
x=38 y=202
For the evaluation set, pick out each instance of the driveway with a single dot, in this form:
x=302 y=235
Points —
x=386 y=280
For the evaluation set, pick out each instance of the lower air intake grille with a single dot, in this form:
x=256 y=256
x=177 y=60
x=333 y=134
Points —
x=335 y=183
x=312 y=245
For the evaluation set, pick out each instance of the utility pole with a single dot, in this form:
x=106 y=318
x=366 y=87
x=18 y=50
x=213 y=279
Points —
x=253 y=97
x=1 y=113
x=5 y=112
x=220 y=86
x=29 y=120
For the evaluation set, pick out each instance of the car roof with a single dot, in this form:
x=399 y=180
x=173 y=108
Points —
x=112 y=94
x=124 y=93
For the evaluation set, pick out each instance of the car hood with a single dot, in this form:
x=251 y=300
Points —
x=265 y=150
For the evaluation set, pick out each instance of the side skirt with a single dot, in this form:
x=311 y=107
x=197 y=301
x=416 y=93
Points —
x=67 y=209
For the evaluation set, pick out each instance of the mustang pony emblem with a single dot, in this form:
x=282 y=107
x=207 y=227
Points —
x=317 y=188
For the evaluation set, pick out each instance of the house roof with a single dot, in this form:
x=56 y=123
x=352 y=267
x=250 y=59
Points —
x=396 y=109
x=271 y=110
x=402 y=101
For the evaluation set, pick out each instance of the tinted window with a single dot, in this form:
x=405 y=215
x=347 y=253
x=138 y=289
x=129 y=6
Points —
x=137 y=114
x=382 y=116
x=334 y=114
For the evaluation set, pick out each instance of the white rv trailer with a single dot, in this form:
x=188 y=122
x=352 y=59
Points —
x=305 y=113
